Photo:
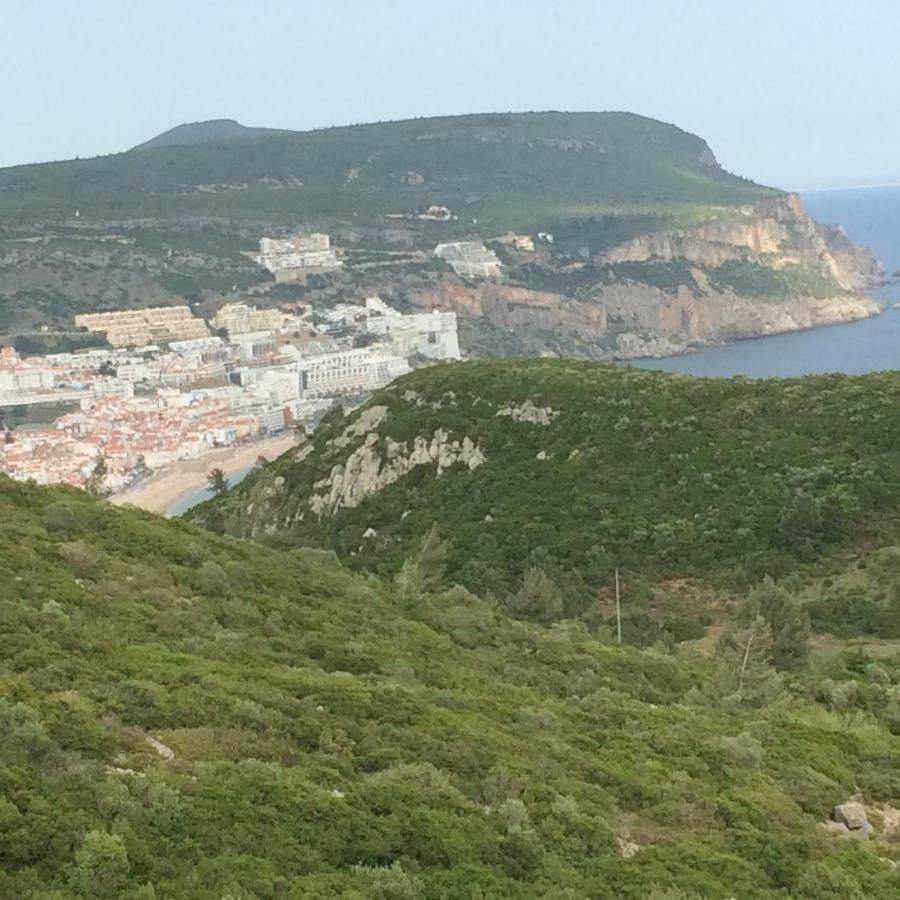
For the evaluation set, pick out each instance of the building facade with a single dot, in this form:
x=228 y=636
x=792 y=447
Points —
x=133 y=327
x=292 y=259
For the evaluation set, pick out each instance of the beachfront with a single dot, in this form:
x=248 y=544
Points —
x=161 y=492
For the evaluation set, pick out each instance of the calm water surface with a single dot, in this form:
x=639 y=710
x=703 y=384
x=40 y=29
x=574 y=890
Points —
x=182 y=505
x=870 y=216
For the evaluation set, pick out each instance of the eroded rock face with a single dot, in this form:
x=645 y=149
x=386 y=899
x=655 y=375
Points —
x=607 y=319
x=777 y=229
x=368 y=420
x=651 y=322
x=375 y=464
x=662 y=325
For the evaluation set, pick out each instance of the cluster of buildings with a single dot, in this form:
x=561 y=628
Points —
x=133 y=327
x=173 y=387
x=145 y=407
x=239 y=318
x=292 y=259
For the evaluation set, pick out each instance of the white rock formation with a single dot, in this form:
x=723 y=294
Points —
x=528 y=412
x=369 y=419
x=369 y=469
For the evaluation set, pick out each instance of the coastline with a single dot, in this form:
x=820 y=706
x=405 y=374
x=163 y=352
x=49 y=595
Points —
x=879 y=308
x=163 y=490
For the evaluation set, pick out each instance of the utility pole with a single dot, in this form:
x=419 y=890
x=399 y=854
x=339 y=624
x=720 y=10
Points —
x=618 y=610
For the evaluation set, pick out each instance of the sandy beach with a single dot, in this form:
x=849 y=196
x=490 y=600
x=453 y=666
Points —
x=161 y=491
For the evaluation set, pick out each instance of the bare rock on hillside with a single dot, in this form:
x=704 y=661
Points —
x=852 y=815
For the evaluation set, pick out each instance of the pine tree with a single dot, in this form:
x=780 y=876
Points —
x=217 y=482
x=747 y=653
x=432 y=559
x=539 y=598
x=788 y=623
x=425 y=571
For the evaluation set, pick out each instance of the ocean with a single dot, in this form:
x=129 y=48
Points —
x=870 y=216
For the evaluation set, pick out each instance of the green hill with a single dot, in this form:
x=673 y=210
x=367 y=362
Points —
x=509 y=170
x=211 y=131
x=580 y=468
x=618 y=235
x=186 y=717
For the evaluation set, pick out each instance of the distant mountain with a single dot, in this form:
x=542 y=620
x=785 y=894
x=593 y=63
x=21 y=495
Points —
x=527 y=170
x=209 y=132
x=636 y=240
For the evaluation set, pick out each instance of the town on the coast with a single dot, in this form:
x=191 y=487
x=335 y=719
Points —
x=169 y=386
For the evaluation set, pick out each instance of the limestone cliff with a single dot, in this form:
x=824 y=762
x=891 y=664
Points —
x=753 y=271
x=775 y=230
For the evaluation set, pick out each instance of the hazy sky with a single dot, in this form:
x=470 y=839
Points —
x=794 y=93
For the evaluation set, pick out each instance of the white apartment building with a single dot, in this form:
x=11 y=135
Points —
x=433 y=334
x=349 y=372
x=239 y=318
x=27 y=378
x=291 y=259
x=470 y=259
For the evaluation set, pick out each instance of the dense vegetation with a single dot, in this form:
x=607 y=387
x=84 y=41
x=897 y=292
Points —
x=751 y=279
x=659 y=475
x=516 y=170
x=186 y=716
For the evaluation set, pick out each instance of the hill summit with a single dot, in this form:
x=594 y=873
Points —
x=207 y=132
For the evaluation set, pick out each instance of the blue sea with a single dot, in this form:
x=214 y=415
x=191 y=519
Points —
x=871 y=217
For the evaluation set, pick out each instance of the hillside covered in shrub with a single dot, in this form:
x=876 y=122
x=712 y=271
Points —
x=579 y=469
x=190 y=716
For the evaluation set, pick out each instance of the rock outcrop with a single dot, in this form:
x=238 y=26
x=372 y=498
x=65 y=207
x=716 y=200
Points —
x=529 y=412
x=623 y=321
x=775 y=230
x=378 y=462
x=609 y=314
x=852 y=815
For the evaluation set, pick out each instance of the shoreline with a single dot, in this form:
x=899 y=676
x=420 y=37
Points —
x=160 y=492
x=700 y=346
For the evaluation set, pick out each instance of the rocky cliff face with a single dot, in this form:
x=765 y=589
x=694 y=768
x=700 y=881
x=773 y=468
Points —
x=775 y=230
x=614 y=314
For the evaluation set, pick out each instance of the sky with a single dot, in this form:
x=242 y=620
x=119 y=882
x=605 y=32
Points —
x=792 y=93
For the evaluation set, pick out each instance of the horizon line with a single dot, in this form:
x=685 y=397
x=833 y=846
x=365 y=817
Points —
x=847 y=187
